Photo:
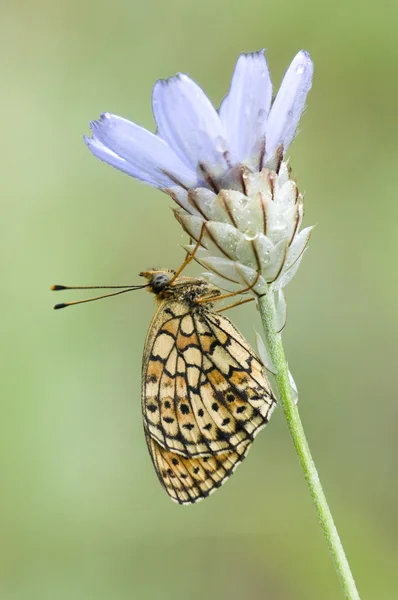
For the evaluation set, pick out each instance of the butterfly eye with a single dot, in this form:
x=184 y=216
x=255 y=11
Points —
x=159 y=281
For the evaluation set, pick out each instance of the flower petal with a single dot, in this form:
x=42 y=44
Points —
x=201 y=200
x=189 y=123
x=138 y=153
x=297 y=247
x=274 y=266
x=264 y=250
x=180 y=197
x=245 y=109
x=287 y=276
x=289 y=102
x=221 y=282
x=98 y=149
x=280 y=223
x=246 y=254
x=293 y=258
x=285 y=195
x=248 y=276
x=192 y=225
x=222 y=238
x=222 y=267
x=227 y=206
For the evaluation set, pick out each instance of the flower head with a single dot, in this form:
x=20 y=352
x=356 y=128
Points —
x=224 y=169
x=249 y=237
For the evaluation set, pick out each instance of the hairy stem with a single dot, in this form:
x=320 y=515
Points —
x=275 y=347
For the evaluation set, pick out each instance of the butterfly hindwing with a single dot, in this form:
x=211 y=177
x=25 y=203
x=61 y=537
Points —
x=188 y=480
x=204 y=391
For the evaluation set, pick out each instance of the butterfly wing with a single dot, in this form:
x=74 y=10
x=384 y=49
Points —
x=204 y=391
x=188 y=480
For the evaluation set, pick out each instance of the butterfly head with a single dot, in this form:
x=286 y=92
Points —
x=158 y=279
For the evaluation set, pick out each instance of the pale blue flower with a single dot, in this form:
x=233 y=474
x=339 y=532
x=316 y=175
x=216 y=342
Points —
x=196 y=146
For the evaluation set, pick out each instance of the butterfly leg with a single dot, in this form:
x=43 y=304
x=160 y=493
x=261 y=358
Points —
x=230 y=294
x=188 y=254
x=189 y=257
x=238 y=303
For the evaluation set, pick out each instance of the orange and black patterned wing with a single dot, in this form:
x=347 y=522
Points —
x=188 y=480
x=204 y=391
x=237 y=398
x=166 y=406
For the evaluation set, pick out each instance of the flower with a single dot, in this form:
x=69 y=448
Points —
x=251 y=237
x=196 y=146
x=224 y=169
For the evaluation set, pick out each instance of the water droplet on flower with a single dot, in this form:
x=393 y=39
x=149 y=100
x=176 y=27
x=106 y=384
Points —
x=300 y=69
x=279 y=228
x=240 y=204
x=250 y=235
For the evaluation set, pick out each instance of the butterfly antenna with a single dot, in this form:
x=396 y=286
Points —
x=123 y=289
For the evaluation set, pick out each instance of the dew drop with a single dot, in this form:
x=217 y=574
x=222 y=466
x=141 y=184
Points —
x=250 y=235
x=280 y=226
x=300 y=69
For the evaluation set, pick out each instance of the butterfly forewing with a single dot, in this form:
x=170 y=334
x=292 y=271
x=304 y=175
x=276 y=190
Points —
x=204 y=391
x=187 y=479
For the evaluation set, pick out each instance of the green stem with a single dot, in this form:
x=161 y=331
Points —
x=275 y=348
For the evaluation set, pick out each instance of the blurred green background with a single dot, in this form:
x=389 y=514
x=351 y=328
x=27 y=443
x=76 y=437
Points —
x=82 y=514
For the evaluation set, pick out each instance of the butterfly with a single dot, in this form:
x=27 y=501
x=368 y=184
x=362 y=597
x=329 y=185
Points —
x=204 y=392
x=205 y=395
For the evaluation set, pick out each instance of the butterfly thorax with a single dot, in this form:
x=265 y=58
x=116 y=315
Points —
x=183 y=289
